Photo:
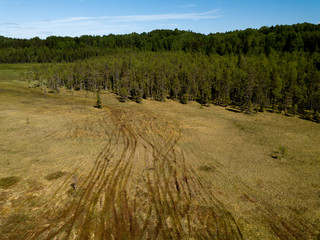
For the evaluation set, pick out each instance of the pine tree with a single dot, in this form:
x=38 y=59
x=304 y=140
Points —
x=98 y=103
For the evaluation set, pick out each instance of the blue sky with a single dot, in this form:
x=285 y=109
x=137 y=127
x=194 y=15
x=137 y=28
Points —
x=42 y=18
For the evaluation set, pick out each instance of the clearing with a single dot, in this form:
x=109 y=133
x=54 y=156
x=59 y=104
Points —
x=152 y=170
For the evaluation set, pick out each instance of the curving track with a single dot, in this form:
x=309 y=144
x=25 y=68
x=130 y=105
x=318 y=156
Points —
x=140 y=187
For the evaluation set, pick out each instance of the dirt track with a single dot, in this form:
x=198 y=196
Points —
x=140 y=187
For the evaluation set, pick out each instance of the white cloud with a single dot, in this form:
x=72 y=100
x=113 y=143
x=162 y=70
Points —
x=76 y=26
x=140 y=18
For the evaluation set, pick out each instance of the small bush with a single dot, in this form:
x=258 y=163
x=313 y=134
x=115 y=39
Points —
x=283 y=150
x=8 y=181
x=98 y=103
x=123 y=94
x=316 y=117
x=280 y=153
x=184 y=99
x=294 y=109
x=306 y=115
x=249 y=107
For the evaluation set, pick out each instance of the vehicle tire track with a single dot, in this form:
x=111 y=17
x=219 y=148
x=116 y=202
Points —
x=166 y=200
x=165 y=186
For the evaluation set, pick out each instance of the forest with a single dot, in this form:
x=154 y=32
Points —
x=281 y=38
x=271 y=68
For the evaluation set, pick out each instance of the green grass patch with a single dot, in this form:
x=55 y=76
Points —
x=14 y=71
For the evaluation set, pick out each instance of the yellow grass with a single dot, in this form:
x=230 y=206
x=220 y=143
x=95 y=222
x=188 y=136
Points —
x=152 y=170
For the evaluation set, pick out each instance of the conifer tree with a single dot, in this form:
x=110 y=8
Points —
x=98 y=103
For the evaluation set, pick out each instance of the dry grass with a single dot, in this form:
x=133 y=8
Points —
x=151 y=171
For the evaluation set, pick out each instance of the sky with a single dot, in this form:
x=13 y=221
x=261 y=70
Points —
x=43 y=18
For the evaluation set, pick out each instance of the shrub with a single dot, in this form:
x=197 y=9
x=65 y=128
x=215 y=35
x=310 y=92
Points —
x=184 y=99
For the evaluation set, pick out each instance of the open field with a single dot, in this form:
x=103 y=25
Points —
x=152 y=170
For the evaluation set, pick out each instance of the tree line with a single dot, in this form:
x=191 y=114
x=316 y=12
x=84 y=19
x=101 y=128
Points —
x=288 y=82
x=303 y=37
x=275 y=68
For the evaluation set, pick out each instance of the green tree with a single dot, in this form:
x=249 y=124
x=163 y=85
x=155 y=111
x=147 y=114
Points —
x=98 y=100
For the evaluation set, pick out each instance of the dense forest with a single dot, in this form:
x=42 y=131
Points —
x=275 y=68
x=284 y=38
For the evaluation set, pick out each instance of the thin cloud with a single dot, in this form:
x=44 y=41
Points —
x=161 y=17
x=9 y=24
x=76 y=26
x=188 y=6
x=22 y=27
x=140 y=18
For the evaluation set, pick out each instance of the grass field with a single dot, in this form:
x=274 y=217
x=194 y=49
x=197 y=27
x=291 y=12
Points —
x=152 y=170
